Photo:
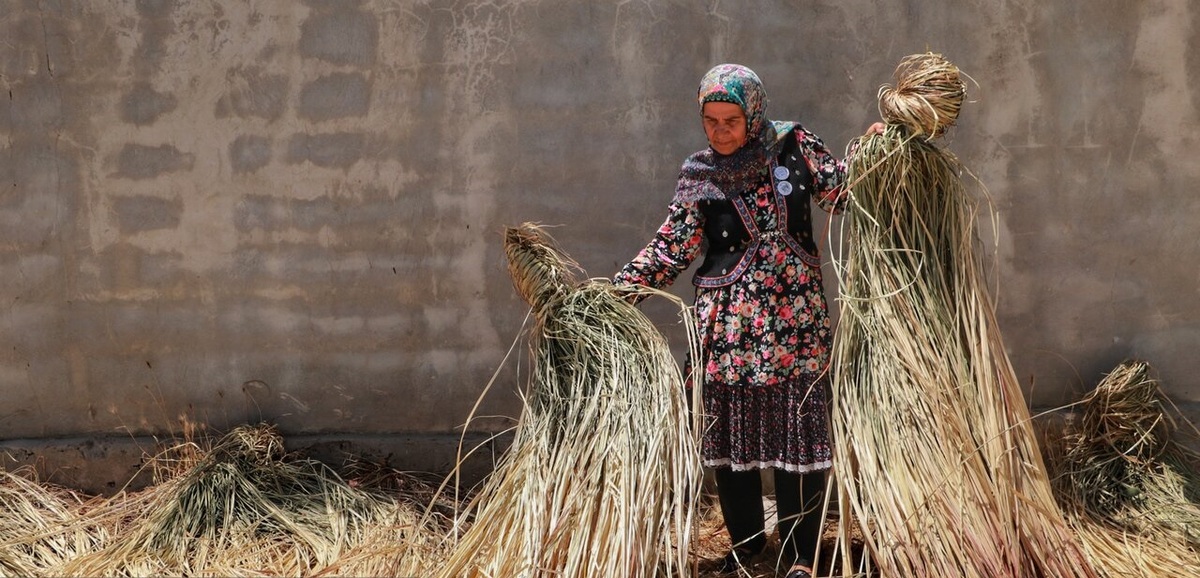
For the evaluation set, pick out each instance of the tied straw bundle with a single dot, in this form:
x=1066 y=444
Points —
x=935 y=454
x=603 y=470
x=1128 y=483
x=928 y=95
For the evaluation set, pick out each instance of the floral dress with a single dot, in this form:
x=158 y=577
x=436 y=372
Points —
x=765 y=337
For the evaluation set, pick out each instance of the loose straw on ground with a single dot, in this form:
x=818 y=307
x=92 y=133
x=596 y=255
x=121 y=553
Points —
x=1127 y=480
x=39 y=526
x=935 y=455
x=603 y=471
x=240 y=509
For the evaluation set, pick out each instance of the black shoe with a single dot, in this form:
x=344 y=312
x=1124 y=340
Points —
x=735 y=560
x=798 y=572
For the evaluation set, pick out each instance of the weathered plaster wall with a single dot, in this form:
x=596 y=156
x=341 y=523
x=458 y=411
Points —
x=290 y=211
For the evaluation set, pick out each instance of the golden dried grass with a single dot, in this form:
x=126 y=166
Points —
x=927 y=97
x=1128 y=480
x=603 y=470
x=39 y=528
x=935 y=455
x=243 y=507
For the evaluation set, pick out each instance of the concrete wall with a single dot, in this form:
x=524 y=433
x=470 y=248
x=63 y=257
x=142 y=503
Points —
x=229 y=211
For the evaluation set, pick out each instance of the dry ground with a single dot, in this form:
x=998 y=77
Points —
x=713 y=542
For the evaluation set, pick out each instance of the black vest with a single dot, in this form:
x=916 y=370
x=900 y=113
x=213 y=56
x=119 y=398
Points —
x=732 y=236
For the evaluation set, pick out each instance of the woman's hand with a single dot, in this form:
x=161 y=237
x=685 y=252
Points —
x=874 y=129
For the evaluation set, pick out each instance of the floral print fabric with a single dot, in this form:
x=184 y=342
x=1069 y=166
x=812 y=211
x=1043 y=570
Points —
x=765 y=338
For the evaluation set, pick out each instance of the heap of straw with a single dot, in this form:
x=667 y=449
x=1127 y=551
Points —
x=39 y=527
x=240 y=508
x=935 y=455
x=1129 y=484
x=603 y=470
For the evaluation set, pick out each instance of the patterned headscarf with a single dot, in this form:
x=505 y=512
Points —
x=739 y=85
x=709 y=175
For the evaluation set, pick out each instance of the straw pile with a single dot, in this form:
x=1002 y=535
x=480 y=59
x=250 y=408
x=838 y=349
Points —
x=935 y=455
x=39 y=527
x=603 y=469
x=409 y=539
x=239 y=508
x=1128 y=483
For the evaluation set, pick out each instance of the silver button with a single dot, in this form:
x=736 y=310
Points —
x=724 y=271
x=785 y=188
x=724 y=233
x=732 y=249
x=781 y=173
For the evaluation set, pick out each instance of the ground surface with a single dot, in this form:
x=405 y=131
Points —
x=712 y=544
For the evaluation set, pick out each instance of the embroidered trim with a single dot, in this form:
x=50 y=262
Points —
x=747 y=253
x=781 y=207
x=757 y=237
x=774 y=464
x=808 y=258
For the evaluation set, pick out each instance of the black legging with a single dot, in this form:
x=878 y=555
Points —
x=798 y=499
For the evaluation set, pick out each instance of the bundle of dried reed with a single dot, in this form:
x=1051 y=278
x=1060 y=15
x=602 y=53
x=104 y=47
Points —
x=409 y=539
x=927 y=97
x=935 y=456
x=240 y=508
x=1128 y=479
x=602 y=474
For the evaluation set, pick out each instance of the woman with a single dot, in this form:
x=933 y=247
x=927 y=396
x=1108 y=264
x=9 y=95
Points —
x=765 y=334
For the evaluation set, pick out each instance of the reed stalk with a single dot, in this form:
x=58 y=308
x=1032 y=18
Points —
x=39 y=526
x=1128 y=479
x=241 y=508
x=935 y=455
x=603 y=471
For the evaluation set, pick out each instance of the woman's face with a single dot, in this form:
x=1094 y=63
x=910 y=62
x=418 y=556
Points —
x=725 y=126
